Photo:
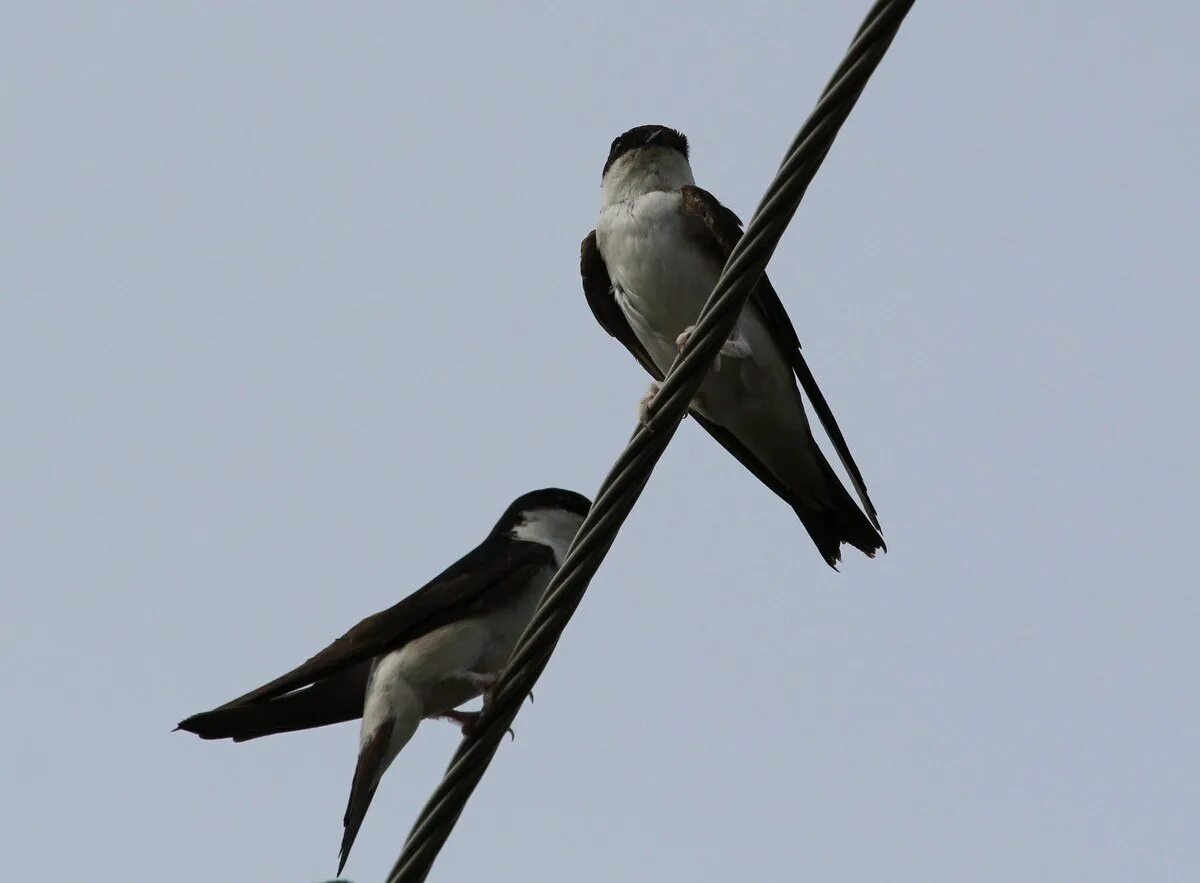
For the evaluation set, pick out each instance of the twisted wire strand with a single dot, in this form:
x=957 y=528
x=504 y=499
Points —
x=628 y=476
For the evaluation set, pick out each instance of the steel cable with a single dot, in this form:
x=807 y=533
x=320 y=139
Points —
x=625 y=481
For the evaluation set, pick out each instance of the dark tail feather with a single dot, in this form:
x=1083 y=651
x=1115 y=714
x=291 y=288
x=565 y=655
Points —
x=366 y=778
x=331 y=701
x=830 y=526
x=842 y=523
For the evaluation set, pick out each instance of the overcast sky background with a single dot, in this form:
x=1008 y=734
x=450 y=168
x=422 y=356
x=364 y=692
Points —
x=290 y=311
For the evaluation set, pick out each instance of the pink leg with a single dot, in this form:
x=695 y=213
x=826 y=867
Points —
x=467 y=720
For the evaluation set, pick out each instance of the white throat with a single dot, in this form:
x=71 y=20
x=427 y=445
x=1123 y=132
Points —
x=643 y=171
x=554 y=528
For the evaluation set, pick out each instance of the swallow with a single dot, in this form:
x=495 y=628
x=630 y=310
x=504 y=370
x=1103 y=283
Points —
x=440 y=647
x=647 y=269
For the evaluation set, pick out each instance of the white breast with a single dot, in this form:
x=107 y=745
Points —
x=506 y=623
x=661 y=278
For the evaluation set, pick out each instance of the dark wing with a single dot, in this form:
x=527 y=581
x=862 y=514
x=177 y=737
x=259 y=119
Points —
x=483 y=577
x=597 y=287
x=332 y=700
x=723 y=230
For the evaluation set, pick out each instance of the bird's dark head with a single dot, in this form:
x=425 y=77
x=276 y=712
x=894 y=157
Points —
x=640 y=137
x=550 y=517
x=549 y=500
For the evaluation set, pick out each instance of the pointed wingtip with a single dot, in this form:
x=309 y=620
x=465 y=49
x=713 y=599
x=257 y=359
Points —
x=187 y=725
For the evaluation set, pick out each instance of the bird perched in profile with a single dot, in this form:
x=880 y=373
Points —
x=440 y=647
x=649 y=266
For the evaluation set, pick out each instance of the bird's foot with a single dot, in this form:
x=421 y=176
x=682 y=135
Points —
x=465 y=719
x=684 y=336
x=468 y=721
x=643 y=408
x=481 y=680
x=736 y=347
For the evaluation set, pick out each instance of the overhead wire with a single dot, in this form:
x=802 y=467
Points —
x=628 y=476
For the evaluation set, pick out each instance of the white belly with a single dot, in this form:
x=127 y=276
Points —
x=481 y=645
x=661 y=279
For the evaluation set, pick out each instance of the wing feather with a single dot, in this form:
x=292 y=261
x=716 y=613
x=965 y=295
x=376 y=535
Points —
x=723 y=230
x=483 y=577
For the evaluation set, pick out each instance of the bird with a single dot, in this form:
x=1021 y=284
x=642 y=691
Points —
x=440 y=647
x=647 y=269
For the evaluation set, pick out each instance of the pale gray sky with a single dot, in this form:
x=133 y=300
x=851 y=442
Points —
x=290 y=310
